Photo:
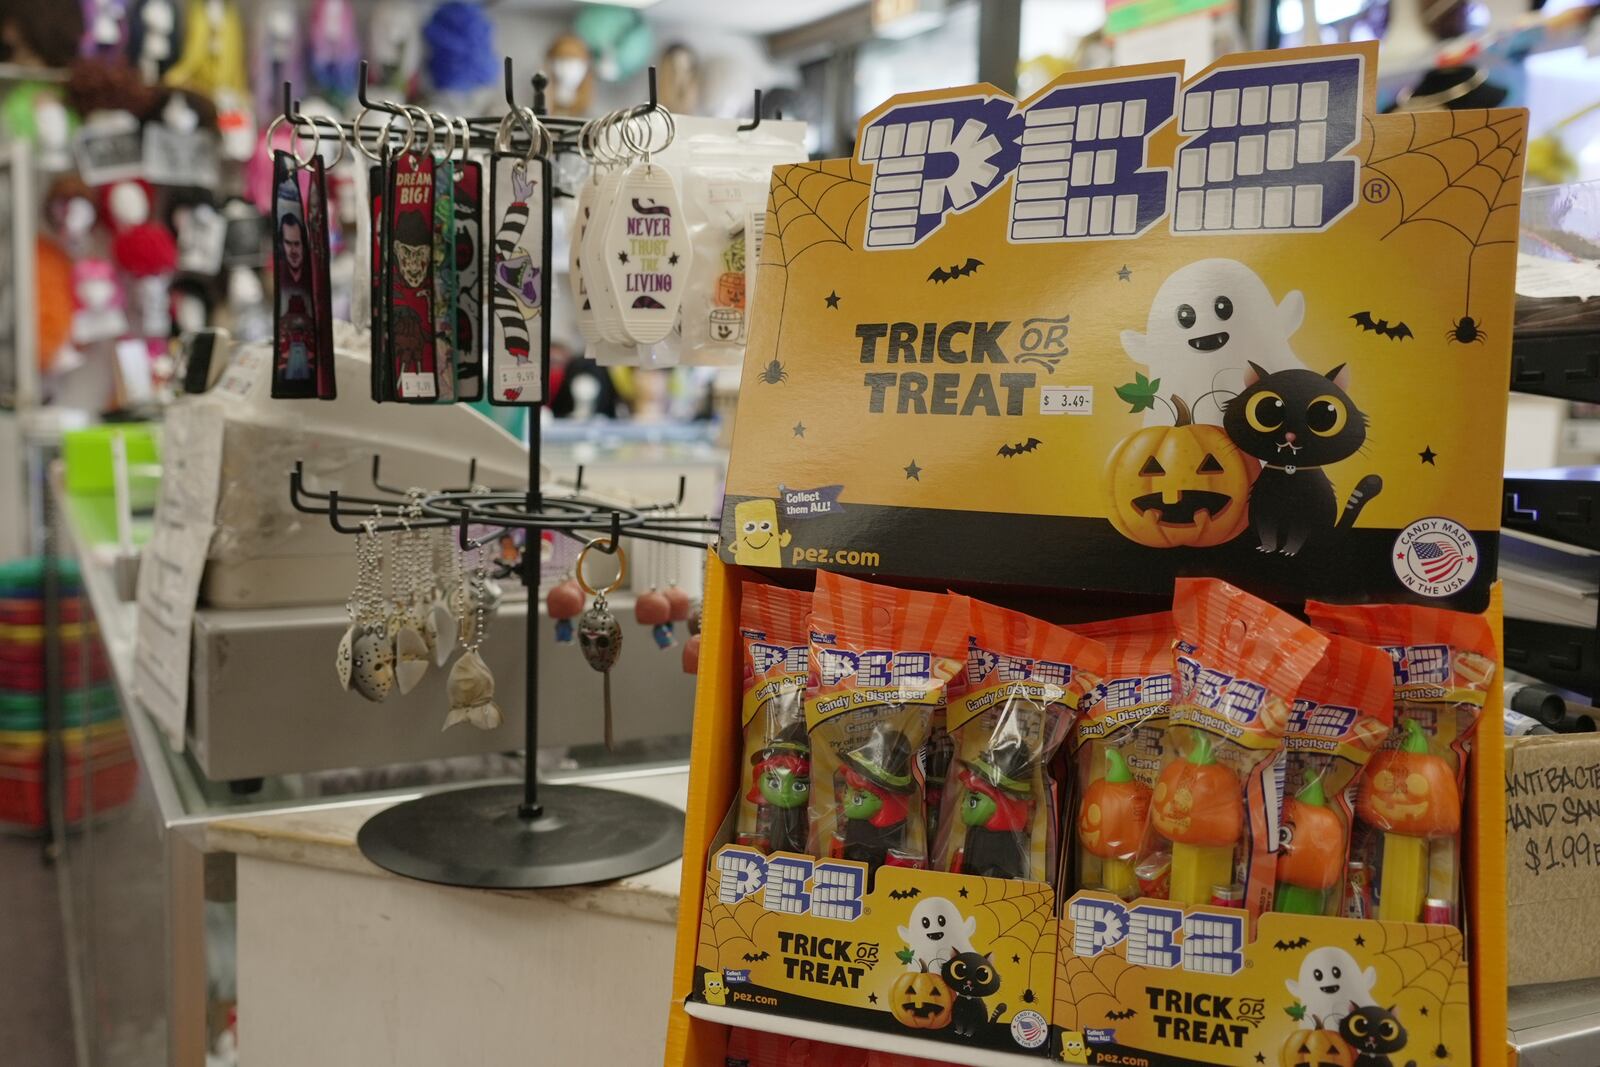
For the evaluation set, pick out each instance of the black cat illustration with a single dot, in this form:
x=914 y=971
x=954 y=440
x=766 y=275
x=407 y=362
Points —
x=971 y=977
x=1373 y=1033
x=1297 y=422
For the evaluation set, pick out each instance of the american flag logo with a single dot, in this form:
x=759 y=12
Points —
x=1028 y=1029
x=1437 y=560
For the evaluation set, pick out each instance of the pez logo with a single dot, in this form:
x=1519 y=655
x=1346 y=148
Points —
x=1158 y=935
x=791 y=885
x=765 y=657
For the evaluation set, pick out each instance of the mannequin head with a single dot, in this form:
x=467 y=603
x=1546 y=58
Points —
x=35 y=34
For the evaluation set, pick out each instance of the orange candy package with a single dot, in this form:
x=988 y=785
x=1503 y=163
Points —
x=881 y=661
x=774 y=634
x=1238 y=663
x=1340 y=716
x=1025 y=682
x=1117 y=755
x=1408 y=803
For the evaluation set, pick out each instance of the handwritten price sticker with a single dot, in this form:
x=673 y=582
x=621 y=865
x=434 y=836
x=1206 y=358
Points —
x=1560 y=851
x=1066 y=400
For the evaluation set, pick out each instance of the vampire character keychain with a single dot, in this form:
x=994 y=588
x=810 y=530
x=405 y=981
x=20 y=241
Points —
x=599 y=633
x=519 y=261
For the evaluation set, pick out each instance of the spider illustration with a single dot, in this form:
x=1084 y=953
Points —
x=774 y=374
x=1466 y=330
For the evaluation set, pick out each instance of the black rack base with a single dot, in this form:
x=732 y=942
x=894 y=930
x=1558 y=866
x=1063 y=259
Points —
x=475 y=837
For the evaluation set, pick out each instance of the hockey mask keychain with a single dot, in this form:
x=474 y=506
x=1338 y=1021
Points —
x=372 y=653
x=471 y=685
x=599 y=633
x=519 y=199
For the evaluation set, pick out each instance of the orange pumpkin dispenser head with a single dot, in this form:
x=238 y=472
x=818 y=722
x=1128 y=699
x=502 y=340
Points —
x=1111 y=822
x=1199 y=807
x=1411 y=795
x=1314 y=856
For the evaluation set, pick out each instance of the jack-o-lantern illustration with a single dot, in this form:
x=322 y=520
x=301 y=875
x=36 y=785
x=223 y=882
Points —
x=1181 y=485
x=921 y=1000
x=1111 y=822
x=1197 y=801
x=1408 y=790
x=1314 y=850
x=1316 y=1048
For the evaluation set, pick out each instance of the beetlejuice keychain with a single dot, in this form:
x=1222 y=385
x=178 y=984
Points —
x=471 y=685
x=647 y=246
x=599 y=633
x=371 y=650
x=519 y=262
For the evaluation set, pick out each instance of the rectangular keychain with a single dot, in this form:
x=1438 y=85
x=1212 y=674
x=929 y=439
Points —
x=294 y=328
x=378 y=185
x=316 y=201
x=519 y=258
x=444 y=277
x=409 y=303
x=468 y=316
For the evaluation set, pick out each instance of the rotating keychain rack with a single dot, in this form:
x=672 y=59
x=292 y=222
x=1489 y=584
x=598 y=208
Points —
x=515 y=835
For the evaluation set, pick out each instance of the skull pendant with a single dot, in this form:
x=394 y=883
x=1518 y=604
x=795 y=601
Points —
x=372 y=671
x=599 y=636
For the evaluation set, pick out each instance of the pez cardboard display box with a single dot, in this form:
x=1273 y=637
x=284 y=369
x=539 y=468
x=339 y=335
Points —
x=1130 y=329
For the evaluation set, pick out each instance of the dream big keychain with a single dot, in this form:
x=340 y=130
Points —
x=519 y=207
x=599 y=633
x=408 y=297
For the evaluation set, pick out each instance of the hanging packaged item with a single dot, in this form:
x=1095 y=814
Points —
x=1341 y=715
x=1026 y=681
x=1117 y=755
x=777 y=750
x=1239 y=662
x=519 y=264
x=881 y=661
x=1409 y=800
x=725 y=186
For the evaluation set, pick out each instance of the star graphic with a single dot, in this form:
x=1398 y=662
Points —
x=1427 y=455
x=799 y=429
x=1016 y=959
x=963 y=892
x=1360 y=941
x=832 y=299
x=1124 y=274
x=1260 y=1058
x=872 y=998
x=622 y=257
x=913 y=472
x=1423 y=1009
x=673 y=259
x=1399 y=555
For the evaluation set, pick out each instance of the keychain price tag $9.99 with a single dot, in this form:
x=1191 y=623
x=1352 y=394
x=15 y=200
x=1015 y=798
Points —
x=646 y=242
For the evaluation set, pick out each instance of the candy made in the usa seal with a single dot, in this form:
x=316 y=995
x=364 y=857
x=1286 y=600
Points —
x=1435 y=557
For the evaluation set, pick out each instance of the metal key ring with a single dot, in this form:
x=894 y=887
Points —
x=539 y=142
x=383 y=133
x=294 y=136
x=610 y=548
x=466 y=137
x=433 y=131
x=449 y=135
x=333 y=124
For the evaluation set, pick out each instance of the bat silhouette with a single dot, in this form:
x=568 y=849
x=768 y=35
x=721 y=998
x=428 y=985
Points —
x=958 y=270
x=1009 y=450
x=1128 y=1014
x=1287 y=946
x=904 y=894
x=756 y=957
x=1398 y=332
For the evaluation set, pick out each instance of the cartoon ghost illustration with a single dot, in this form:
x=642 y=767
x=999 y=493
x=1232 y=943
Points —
x=757 y=541
x=1073 y=1050
x=1331 y=981
x=936 y=932
x=1208 y=320
x=715 y=989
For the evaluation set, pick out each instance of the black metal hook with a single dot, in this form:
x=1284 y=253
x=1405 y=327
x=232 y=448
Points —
x=511 y=92
x=377 y=465
x=291 y=106
x=370 y=104
x=654 y=101
x=540 y=83
x=753 y=123
x=577 y=487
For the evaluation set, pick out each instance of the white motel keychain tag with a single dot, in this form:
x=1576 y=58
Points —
x=648 y=253
x=608 y=323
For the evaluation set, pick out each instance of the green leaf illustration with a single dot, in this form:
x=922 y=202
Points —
x=1139 y=394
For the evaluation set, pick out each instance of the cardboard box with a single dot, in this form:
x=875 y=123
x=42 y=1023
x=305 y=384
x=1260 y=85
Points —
x=1552 y=857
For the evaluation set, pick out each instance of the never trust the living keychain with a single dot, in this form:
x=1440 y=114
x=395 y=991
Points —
x=599 y=633
x=647 y=250
x=519 y=262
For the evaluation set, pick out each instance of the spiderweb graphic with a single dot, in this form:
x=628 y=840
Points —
x=1461 y=170
x=1430 y=964
x=728 y=932
x=1023 y=918
x=1090 y=989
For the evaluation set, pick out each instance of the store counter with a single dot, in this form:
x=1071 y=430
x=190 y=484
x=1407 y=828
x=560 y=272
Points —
x=342 y=962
